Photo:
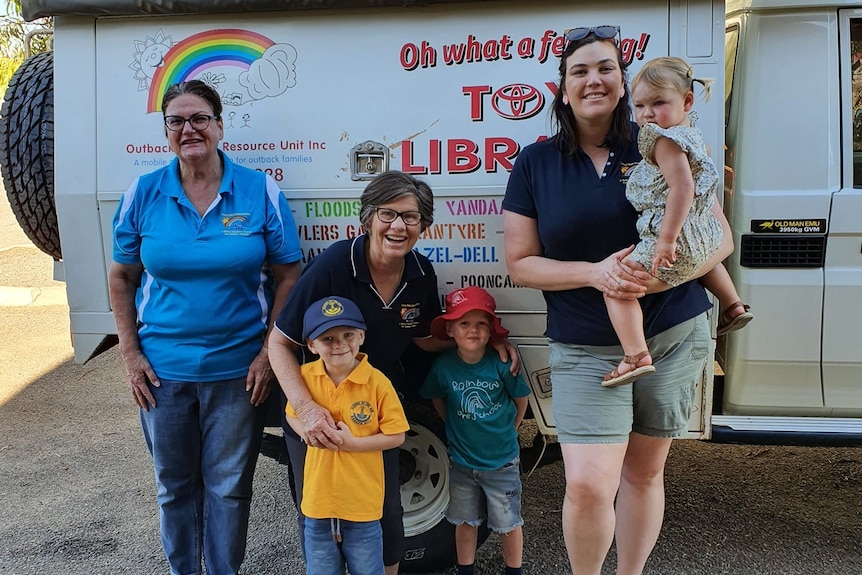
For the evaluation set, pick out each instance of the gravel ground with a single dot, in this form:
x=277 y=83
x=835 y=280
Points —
x=77 y=493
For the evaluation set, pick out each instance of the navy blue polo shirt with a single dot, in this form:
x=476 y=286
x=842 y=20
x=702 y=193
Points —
x=342 y=270
x=584 y=217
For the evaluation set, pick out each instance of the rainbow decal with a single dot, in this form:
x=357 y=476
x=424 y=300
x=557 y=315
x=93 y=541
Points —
x=189 y=58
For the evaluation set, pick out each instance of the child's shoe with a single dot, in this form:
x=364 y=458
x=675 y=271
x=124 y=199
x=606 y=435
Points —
x=728 y=323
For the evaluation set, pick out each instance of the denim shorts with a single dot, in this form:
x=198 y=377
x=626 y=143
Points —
x=473 y=494
x=657 y=405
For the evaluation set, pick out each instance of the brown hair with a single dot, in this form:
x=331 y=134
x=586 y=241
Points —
x=195 y=88
x=563 y=117
x=390 y=186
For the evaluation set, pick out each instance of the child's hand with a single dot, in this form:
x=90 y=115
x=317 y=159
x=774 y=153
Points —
x=346 y=436
x=665 y=255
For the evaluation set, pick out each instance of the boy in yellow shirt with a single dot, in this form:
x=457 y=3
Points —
x=342 y=495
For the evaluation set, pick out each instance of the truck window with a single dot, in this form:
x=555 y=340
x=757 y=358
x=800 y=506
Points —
x=856 y=74
x=731 y=42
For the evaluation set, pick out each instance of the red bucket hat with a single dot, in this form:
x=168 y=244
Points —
x=460 y=302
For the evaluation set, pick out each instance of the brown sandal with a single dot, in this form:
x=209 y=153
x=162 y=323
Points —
x=728 y=323
x=613 y=379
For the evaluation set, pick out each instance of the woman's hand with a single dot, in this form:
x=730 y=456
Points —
x=259 y=378
x=319 y=426
x=620 y=278
x=506 y=352
x=139 y=377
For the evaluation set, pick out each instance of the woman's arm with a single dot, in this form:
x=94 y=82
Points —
x=527 y=266
x=724 y=250
x=123 y=283
x=318 y=423
x=259 y=375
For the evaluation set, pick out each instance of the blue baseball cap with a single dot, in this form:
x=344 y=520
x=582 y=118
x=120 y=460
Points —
x=329 y=312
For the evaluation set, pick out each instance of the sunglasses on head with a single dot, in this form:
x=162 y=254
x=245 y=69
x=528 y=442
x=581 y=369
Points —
x=606 y=32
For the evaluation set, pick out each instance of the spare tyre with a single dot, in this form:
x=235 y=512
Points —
x=27 y=151
x=424 y=475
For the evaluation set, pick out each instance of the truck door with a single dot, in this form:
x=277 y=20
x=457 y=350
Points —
x=842 y=297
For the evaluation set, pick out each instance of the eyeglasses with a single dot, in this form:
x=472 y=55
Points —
x=388 y=216
x=198 y=122
x=606 y=32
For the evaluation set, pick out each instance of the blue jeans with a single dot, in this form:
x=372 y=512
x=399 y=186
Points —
x=361 y=547
x=204 y=439
x=392 y=521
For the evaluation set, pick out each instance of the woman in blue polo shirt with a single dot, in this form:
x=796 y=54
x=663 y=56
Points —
x=192 y=298
x=568 y=228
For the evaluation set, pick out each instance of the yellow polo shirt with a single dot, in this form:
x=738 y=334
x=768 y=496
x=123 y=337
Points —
x=349 y=485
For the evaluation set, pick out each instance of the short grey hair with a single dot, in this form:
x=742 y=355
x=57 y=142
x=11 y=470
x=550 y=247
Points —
x=390 y=186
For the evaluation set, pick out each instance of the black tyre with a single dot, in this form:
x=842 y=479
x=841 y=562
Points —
x=27 y=151
x=429 y=537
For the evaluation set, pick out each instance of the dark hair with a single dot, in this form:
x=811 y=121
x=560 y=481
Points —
x=195 y=88
x=567 y=126
x=390 y=186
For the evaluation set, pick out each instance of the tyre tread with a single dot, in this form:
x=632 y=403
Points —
x=27 y=151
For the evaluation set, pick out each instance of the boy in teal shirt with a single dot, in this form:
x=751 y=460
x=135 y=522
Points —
x=482 y=404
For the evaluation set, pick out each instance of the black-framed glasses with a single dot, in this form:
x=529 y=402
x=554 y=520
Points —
x=606 y=32
x=198 y=122
x=388 y=216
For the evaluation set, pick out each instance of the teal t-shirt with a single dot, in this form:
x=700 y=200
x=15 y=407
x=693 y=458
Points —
x=480 y=413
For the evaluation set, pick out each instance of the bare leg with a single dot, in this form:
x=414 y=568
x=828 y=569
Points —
x=733 y=314
x=628 y=321
x=391 y=569
x=592 y=479
x=466 y=537
x=640 y=502
x=718 y=282
x=512 y=544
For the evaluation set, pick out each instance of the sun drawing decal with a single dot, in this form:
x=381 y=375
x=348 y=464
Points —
x=149 y=56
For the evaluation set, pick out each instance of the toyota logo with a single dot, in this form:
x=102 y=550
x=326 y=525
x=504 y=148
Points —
x=517 y=101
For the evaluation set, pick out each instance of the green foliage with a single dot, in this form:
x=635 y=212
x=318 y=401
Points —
x=13 y=34
x=7 y=68
x=14 y=30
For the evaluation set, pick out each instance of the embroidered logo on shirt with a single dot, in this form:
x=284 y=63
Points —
x=625 y=168
x=361 y=412
x=409 y=315
x=235 y=224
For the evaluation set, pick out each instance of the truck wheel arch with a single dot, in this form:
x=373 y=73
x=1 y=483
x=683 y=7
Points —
x=27 y=151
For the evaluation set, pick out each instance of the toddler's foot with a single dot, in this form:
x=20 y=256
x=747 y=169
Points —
x=629 y=369
x=733 y=317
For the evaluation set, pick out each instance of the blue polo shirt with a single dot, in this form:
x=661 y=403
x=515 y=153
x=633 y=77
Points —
x=204 y=299
x=342 y=270
x=584 y=217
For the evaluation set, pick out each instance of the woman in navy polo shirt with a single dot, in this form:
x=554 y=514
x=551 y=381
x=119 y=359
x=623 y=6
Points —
x=192 y=303
x=396 y=289
x=568 y=228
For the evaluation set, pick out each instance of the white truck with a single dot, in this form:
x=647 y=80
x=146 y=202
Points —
x=325 y=95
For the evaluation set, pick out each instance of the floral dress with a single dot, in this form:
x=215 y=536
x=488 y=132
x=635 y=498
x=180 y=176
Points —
x=647 y=191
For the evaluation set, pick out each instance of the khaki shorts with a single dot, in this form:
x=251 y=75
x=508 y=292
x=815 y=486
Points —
x=657 y=405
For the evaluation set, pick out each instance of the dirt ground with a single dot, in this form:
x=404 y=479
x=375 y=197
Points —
x=77 y=493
